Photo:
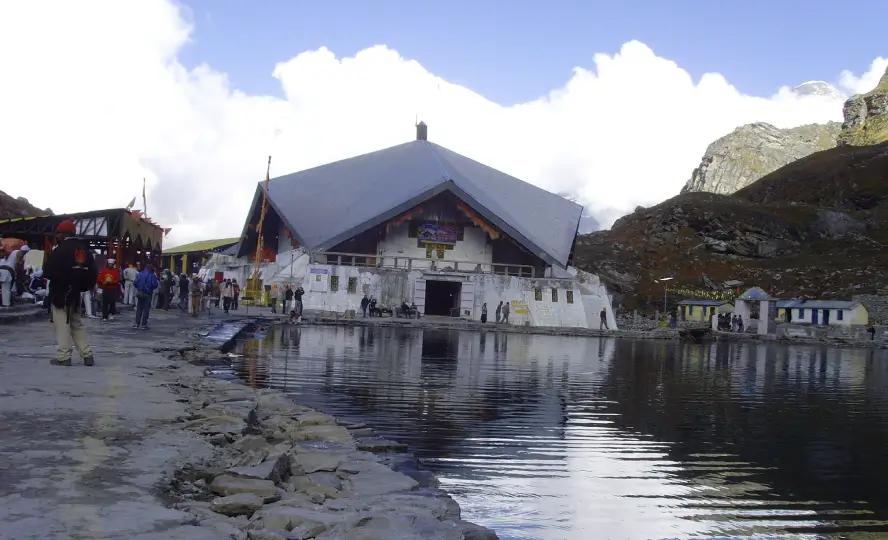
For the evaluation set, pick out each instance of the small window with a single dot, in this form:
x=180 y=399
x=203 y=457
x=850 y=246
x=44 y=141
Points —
x=538 y=295
x=801 y=314
x=570 y=297
x=352 y=285
x=711 y=311
x=334 y=283
x=412 y=229
x=840 y=314
x=460 y=234
x=555 y=295
x=690 y=310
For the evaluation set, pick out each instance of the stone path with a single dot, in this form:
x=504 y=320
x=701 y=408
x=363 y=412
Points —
x=83 y=450
x=144 y=446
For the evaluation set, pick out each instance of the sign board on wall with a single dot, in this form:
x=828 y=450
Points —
x=318 y=279
x=433 y=233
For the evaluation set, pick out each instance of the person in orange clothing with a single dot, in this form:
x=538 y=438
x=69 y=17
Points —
x=109 y=282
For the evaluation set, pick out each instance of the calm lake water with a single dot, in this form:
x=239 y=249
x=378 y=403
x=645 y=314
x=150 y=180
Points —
x=543 y=437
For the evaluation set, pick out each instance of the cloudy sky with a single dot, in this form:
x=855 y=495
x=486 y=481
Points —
x=612 y=105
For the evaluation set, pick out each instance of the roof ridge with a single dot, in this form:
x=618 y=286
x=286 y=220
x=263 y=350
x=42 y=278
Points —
x=433 y=150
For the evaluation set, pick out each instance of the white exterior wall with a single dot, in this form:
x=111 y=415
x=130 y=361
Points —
x=808 y=316
x=391 y=287
x=284 y=241
x=472 y=249
x=525 y=309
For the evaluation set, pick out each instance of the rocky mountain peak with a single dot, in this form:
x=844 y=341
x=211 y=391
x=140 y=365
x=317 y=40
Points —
x=866 y=117
x=11 y=207
x=754 y=150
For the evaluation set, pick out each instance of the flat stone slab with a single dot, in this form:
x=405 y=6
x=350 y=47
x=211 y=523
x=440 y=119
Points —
x=310 y=462
x=378 y=482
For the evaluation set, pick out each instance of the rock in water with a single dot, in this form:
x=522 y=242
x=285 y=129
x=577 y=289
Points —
x=866 y=117
x=755 y=150
x=240 y=504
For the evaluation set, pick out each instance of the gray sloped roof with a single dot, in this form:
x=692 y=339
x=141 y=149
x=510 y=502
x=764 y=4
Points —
x=326 y=205
x=701 y=302
x=818 y=304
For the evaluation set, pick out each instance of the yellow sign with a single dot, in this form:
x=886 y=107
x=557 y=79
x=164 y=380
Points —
x=519 y=307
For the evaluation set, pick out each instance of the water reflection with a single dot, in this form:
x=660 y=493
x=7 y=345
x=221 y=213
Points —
x=568 y=438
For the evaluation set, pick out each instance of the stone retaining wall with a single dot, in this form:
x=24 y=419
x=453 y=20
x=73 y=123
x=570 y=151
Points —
x=282 y=470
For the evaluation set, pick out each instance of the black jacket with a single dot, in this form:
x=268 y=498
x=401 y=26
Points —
x=58 y=270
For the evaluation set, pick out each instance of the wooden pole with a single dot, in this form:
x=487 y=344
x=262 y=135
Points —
x=256 y=289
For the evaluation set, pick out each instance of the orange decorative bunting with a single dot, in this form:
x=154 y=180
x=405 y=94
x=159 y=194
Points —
x=406 y=216
x=478 y=221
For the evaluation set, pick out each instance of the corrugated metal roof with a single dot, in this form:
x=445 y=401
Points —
x=818 y=304
x=201 y=245
x=331 y=203
x=696 y=302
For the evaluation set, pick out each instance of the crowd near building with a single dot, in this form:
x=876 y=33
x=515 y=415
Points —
x=761 y=312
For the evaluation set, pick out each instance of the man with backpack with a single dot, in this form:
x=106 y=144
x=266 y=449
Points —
x=71 y=270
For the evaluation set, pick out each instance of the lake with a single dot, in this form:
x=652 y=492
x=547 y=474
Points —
x=544 y=437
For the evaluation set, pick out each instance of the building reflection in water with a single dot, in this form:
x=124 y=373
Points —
x=549 y=437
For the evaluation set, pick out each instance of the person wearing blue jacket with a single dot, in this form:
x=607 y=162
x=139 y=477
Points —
x=146 y=282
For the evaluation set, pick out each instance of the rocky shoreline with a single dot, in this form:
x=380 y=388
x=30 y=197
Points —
x=280 y=470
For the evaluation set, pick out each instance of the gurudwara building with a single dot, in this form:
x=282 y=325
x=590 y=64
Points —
x=422 y=224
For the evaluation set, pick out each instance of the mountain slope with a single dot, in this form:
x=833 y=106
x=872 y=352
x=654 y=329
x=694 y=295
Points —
x=866 y=117
x=816 y=227
x=11 y=208
x=754 y=150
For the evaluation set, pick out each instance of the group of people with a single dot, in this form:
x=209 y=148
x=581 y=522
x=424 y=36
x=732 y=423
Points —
x=730 y=322
x=70 y=282
x=502 y=312
x=290 y=298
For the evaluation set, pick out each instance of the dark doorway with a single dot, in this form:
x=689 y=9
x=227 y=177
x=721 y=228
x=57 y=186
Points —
x=442 y=298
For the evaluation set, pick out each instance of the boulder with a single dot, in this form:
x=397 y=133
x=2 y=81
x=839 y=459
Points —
x=276 y=468
x=239 y=504
x=315 y=418
x=434 y=502
x=378 y=445
x=378 y=482
x=326 y=479
x=309 y=487
x=309 y=462
x=226 y=485
x=287 y=517
x=472 y=531
x=330 y=433
x=216 y=424
x=395 y=525
x=249 y=442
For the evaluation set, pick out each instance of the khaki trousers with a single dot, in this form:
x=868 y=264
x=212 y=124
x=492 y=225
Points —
x=68 y=333
x=195 y=305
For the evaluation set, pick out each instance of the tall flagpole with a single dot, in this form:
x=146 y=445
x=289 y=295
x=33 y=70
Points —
x=144 y=200
x=257 y=293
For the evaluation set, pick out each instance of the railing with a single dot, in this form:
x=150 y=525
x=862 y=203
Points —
x=411 y=263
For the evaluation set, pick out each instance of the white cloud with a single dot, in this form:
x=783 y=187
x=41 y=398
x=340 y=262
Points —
x=94 y=99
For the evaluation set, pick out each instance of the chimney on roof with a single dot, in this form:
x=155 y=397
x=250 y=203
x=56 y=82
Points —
x=422 y=131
